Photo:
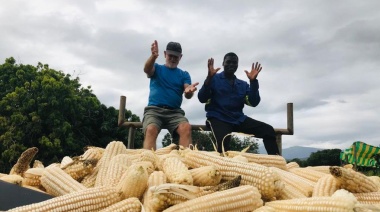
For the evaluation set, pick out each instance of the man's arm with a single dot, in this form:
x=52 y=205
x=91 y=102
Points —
x=149 y=64
x=204 y=93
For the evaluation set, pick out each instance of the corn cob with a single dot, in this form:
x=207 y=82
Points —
x=375 y=179
x=134 y=181
x=309 y=174
x=290 y=192
x=23 y=161
x=132 y=204
x=12 y=178
x=167 y=149
x=303 y=185
x=168 y=194
x=341 y=201
x=90 y=179
x=177 y=172
x=155 y=179
x=326 y=186
x=2 y=174
x=117 y=166
x=38 y=164
x=92 y=153
x=242 y=198
x=162 y=158
x=359 y=207
x=292 y=165
x=78 y=169
x=112 y=149
x=323 y=169
x=32 y=177
x=240 y=158
x=368 y=198
x=265 y=160
x=265 y=209
x=150 y=156
x=147 y=165
x=65 y=161
x=93 y=199
x=57 y=182
x=206 y=176
x=235 y=182
x=353 y=181
x=267 y=181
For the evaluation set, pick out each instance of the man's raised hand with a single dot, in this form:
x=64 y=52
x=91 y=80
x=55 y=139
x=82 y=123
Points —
x=256 y=68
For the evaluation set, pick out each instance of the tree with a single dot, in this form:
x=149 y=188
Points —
x=44 y=108
x=204 y=141
x=327 y=157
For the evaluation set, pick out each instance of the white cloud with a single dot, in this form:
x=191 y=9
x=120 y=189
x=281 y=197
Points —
x=320 y=55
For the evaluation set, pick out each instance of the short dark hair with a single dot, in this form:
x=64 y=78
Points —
x=230 y=54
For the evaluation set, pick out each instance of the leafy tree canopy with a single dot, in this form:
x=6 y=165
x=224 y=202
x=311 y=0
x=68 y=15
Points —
x=50 y=110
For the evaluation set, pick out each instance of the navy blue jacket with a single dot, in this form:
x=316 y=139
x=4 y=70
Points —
x=225 y=101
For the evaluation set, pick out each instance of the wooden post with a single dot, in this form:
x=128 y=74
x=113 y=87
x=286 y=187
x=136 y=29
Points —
x=121 y=118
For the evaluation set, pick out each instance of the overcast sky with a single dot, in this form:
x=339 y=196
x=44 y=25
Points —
x=323 y=56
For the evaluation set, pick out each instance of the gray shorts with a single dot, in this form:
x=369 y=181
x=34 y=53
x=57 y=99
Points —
x=163 y=118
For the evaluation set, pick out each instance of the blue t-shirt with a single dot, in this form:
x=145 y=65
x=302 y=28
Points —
x=167 y=86
x=225 y=101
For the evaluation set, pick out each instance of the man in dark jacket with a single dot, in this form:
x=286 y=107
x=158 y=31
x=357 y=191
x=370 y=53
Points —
x=225 y=96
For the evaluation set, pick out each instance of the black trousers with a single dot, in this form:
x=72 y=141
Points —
x=249 y=126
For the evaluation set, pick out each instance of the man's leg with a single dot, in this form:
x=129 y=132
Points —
x=261 y=130
x=151 y=126
x=220 y=129
x=184 y=132
x=151 y=133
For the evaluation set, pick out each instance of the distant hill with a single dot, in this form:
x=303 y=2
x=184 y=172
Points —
x=293 y=152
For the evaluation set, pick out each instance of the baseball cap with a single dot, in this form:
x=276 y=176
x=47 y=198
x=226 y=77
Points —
x=174 y=48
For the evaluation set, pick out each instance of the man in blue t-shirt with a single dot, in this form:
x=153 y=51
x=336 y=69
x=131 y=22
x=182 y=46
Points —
x=225 y=96
x=167 y=85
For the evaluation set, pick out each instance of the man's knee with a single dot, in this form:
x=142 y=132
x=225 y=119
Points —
x=151 y=129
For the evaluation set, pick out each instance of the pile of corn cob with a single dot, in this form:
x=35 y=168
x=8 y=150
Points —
x=181 y=179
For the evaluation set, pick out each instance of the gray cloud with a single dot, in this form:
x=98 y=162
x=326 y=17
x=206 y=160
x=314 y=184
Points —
x=320 y=55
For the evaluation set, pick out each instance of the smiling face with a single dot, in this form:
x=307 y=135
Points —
x=172 y=61
x=230 y=65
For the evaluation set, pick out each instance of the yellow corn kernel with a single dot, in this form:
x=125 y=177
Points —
x=177 y=172
x=32 y=177
x=353 y=181
x=92 y=199
x=267 y=181
x=206 y=176
x=23 y=161
x=57 y=182
x=90 y=179
x=78 y=169
x=242 y=198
